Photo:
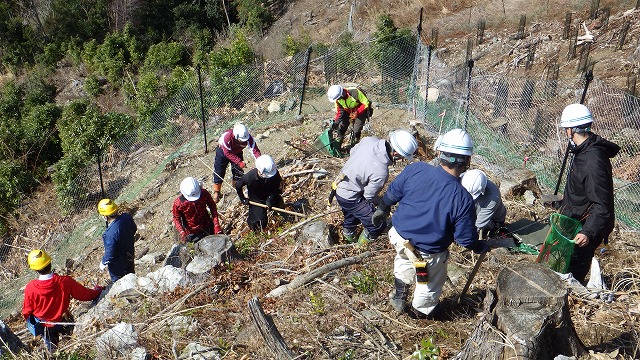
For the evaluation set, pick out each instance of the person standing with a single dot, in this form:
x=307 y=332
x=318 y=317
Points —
x=229 y=150
x=118 y=240
x=263 y=186
x=433 y=210
x=490 y=210
x=588 y=194
x=352 y=104
x=363 y=176
x=195 y=214
x=47 y=299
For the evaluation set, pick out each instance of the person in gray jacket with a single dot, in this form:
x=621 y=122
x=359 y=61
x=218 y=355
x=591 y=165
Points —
x=363 y=176
x=490 y=211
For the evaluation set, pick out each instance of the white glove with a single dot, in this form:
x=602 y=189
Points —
x=102 y=266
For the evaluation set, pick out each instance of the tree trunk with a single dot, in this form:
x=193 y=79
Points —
x=527 y=318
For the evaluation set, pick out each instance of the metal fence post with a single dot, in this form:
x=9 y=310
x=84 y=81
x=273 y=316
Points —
x=304 y=82
x=204 y=122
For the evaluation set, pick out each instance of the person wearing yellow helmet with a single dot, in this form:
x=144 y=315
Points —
x=118 y=239
x=47 y=299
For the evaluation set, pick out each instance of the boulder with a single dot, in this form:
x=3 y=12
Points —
x=517 y=182
x=316 y=233
x=118 y=341
x=195 y=351
x=163 y=280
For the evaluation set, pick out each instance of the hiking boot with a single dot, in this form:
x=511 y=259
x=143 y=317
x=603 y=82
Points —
x=398 y=300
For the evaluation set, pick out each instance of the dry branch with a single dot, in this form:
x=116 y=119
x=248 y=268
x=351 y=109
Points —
x=268 y=330
x=313 y=274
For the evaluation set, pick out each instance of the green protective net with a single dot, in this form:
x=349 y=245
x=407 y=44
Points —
x=558 y=246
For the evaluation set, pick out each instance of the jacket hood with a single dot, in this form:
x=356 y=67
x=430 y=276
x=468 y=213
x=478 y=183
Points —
x=380 y=152
x=46 y=287
x=596 y=142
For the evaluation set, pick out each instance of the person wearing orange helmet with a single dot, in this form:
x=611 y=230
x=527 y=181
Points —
x=47 y=299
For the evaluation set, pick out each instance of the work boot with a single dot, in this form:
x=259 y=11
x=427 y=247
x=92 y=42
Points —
x=349 y=236
x=216 y=192
x=398 y=301
x=364 y=239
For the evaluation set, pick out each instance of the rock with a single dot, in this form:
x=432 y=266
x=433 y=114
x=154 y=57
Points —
x=143 y=214
x=178 y=256
x=290 y=104
x=151 y=258
x=201 y=264
x=195 y=351
x=139 y=353
x=529 y=198
x=516 y=182
x=126 y=285
x=274 y=106
x=180 y=324
x=316 y=232
x=117 y=341
x=163 y=280
x=215 y=246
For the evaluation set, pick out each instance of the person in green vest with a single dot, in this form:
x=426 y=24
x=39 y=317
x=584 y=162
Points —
x=352 y=105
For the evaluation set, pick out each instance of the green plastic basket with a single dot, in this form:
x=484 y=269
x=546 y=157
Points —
x=327 y=144
x=558 y=246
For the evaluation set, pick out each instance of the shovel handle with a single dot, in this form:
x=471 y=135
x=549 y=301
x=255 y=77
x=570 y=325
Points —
x=472 y=275
x=277 y=209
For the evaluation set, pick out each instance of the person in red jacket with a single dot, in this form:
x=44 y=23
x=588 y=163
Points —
x=46 y=299
x=229 y=150
x=190 y=215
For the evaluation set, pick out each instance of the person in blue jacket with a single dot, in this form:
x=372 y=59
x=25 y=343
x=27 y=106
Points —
x=433 y=210
x=118 y=239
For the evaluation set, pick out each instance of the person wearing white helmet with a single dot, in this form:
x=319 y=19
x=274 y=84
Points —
x=263 y=186
x=230 y=146
x=490 y=211
x=365 y=173
x=433 y=211
x=195 y=214
x=352 y=104
x=588 y=193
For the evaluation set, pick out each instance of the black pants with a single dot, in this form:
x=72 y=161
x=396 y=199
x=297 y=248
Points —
x=581 y=259
x=257 y=216
x=358 y=124
x=220 y=167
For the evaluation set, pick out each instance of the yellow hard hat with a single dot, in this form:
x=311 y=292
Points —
x=107 y=207
x=38 y=259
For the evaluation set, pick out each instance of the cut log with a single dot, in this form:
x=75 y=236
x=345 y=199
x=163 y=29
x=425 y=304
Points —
x=268 y=330
x=527 y=318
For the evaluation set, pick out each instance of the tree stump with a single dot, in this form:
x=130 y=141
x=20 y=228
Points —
x=269 y=331
x=527 y=318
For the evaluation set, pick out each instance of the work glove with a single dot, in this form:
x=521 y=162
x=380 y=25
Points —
x=270 y=202
x=481 y=246
x=98 y=287
x=242 y=164
x=102 y=266
x=244 y=201
x=380 y=215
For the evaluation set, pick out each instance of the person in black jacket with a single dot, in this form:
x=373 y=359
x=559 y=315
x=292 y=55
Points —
x=263 y=186
x=588 y=194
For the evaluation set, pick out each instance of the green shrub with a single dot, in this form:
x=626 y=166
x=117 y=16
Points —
x=253 y=14
x=317 y=303
x=40 y=143
x=92 y=85
x=428 y=350
x=292 y=46
x=119 y=52
x=364 y=282
x=15 y=182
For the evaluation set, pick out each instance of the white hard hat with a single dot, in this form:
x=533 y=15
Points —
x=266 y=166
x=240 y=132
x=190 y=188
x=403 y=143
x=575 y=115
x=475 y=181
x=335 y=92
x=456 y=141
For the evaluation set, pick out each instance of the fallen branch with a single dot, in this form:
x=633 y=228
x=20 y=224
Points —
x=277 y=209
x=268 y=330
x=313 y=274
x=302 y=172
